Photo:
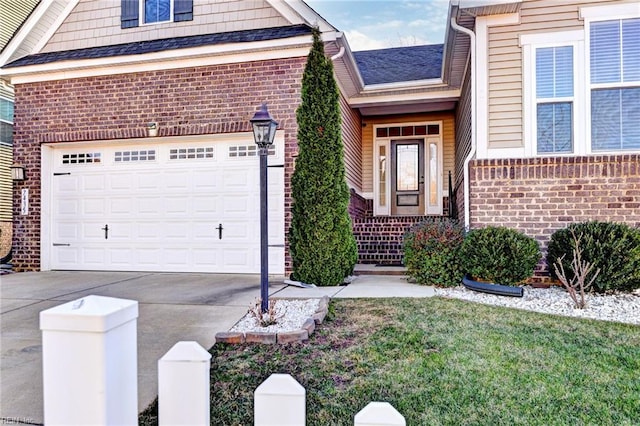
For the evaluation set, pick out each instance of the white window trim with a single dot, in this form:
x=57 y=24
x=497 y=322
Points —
x=592 y=14
x=143 y=20
x=530 y=43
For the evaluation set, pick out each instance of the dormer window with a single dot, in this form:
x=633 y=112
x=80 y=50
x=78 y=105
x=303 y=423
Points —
x=154 y=11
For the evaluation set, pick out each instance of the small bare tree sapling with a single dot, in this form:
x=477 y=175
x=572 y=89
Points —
x=265 y=319
x=578 y=283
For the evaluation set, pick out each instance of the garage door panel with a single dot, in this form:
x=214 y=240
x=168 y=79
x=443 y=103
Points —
x=163 y=215
x=120 y=257
x=67 y=208
x=205 y=179
x=92 y=257
x=237 y=257
x=276 y=260
x=93 y=182
x=176 y=205
x=173 y=180
x=92 y=231
x=150 y=206
x=66 y=232
x=148 y=181
x=119 y=206
x=206 y=205
x=119 y=182
x=93 y=206
x=148 y=231
x=238 y=179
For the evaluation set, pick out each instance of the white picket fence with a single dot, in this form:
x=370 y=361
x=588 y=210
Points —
x=89 y=349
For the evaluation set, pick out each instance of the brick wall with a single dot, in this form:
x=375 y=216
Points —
x=188 y=101
x=5 y=238
x=540 y=195
x=359 y=207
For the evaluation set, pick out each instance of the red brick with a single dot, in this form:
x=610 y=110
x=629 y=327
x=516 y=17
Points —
x=230 y=337
x=260 y=337
x=293 y=336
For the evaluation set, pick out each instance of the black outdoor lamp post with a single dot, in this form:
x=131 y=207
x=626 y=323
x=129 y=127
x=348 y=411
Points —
x=264 y=131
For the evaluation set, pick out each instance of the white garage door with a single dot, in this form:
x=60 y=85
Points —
x=172 y=207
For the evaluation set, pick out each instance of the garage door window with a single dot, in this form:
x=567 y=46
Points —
x=247 y=151
x=191 y=153
x=130 y=156
x=81 y=158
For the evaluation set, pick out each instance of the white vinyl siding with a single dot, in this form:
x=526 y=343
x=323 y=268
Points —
x=97 y=23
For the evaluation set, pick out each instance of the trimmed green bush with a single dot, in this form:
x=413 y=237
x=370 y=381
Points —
x=500 y=255
x=614 y=248
x=431 y=252
x=321 y=242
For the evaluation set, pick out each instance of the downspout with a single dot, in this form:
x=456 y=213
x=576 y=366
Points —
x=339 y=54
x=472 y=153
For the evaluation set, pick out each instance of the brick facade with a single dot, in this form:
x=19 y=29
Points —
x=380 y=238
x=540 y=195
x=189 y=101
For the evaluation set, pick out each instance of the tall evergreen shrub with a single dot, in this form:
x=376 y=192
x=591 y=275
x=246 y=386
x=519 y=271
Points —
x=321 y=241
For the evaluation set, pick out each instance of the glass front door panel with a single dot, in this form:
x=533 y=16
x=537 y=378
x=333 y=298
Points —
x=407 y=166
x=407 y=177
x=433 y=174
x=382 y=175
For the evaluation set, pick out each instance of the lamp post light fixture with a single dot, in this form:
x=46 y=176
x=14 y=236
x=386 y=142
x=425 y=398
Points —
x=264 y=131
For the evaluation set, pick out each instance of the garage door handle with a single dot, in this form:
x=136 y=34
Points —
x=220 y=228
x=106 y=231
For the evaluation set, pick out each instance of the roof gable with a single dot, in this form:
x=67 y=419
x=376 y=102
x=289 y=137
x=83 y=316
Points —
x=400 y=64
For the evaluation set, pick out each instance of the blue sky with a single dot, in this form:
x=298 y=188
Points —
x=378 y=24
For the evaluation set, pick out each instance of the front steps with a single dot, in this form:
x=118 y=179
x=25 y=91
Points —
x=371 y=269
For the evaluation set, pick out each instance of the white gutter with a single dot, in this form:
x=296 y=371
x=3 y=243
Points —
x=339 y=54
x=472 y=153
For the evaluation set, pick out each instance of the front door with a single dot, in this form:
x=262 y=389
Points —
x=407 y=177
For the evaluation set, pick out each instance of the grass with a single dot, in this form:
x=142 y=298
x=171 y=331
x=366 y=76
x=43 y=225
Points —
x=441 y=361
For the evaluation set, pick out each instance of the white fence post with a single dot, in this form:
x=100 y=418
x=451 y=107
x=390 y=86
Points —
x=90 y=362
x=280 y=401
x=183 y=385
x=379 y=414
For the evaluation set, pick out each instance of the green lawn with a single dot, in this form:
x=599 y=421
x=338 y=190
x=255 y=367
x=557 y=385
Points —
x=441 y=361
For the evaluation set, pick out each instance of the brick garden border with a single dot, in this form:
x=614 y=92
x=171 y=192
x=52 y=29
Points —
x=265 y=337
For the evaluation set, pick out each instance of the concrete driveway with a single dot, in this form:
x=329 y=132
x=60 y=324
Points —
x=172 y=307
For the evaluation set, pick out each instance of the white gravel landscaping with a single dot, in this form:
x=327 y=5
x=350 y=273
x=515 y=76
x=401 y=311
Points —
x=623 y=308
x=555 y=300
x=291 y=313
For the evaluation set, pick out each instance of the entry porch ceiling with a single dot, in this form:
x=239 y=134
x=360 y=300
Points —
x=406 y=108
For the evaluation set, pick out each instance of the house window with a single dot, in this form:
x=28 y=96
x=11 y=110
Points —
x=157 y=11
x=154 y=11
x=6 y=122
x=554 y=98
x=615 y=84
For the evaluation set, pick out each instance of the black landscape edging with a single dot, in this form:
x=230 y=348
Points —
x=497 y=289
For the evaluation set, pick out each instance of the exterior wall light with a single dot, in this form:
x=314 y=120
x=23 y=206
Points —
x=152 y=129
x=17 y=173
x=264 y=132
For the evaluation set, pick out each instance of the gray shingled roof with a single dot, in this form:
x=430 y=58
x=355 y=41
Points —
x=151 y=46
x=400 y=64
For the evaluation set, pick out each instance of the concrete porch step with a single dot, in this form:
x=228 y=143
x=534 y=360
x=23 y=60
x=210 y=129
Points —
x=372 y=269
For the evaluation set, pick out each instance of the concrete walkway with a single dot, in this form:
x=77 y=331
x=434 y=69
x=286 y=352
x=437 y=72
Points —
x=172 y=308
